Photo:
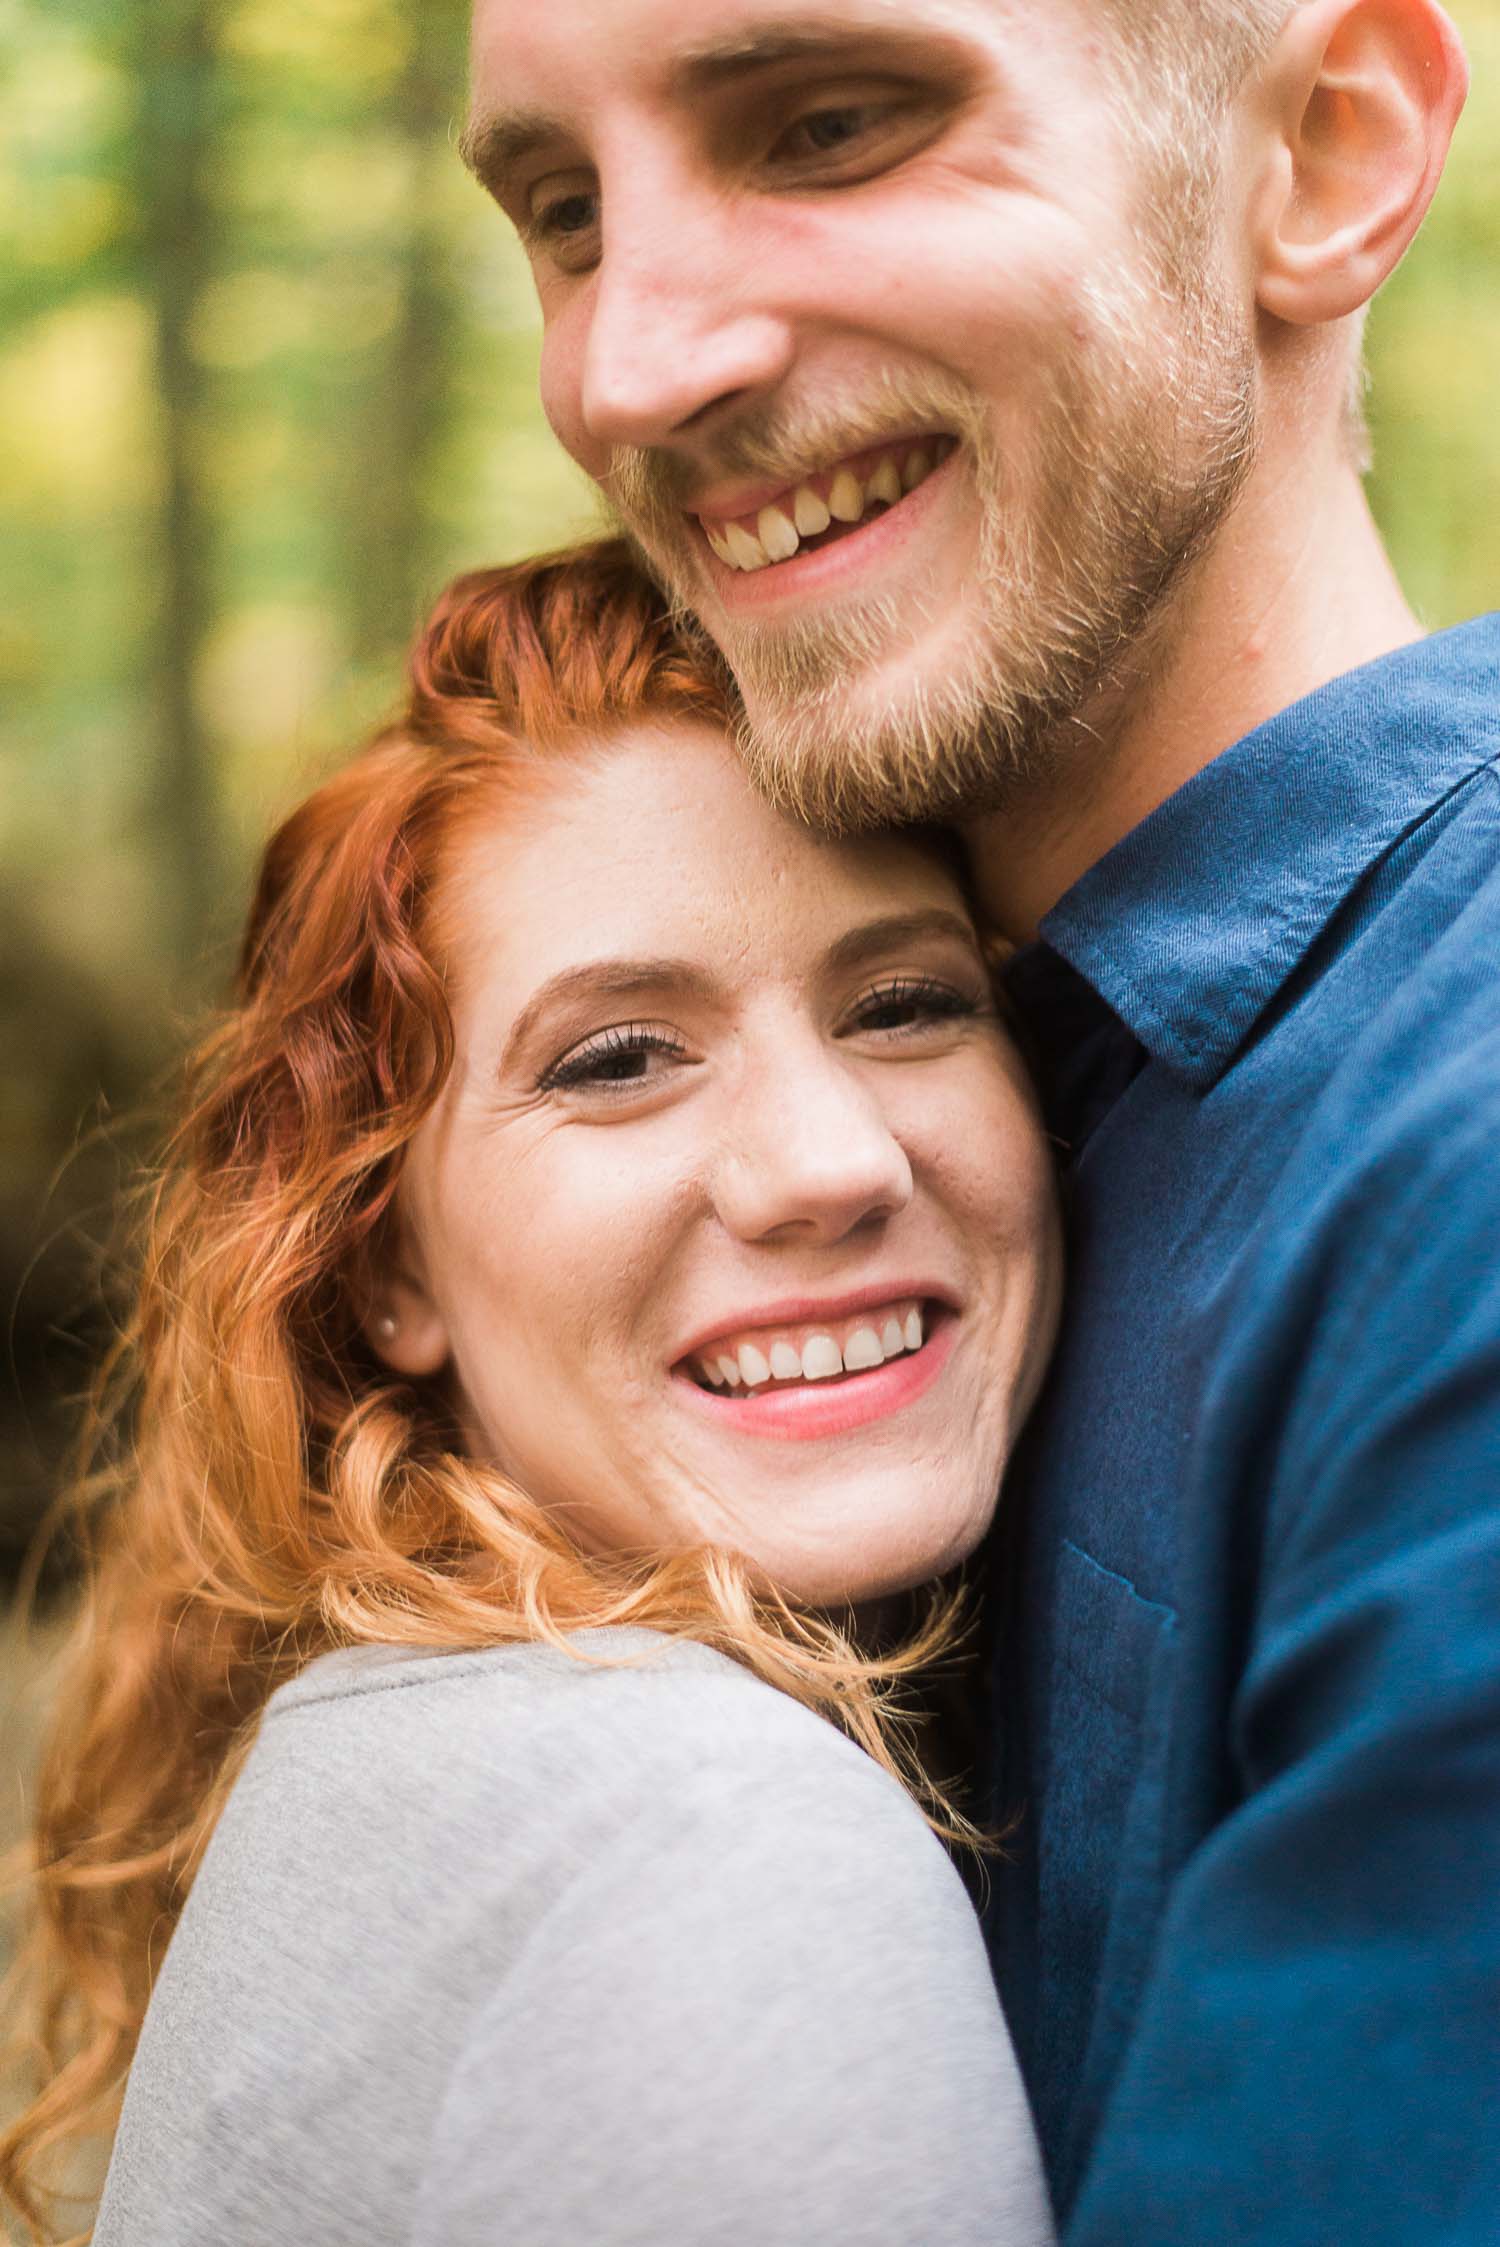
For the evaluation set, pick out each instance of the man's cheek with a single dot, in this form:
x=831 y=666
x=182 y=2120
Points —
x=564 y=343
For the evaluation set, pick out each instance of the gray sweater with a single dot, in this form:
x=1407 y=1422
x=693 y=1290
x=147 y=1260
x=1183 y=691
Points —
x=500 y=1947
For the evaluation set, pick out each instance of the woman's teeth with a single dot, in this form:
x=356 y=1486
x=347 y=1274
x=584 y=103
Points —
x=776 y=533
x=818 y=1356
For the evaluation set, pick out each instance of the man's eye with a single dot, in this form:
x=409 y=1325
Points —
x=623 y=1058
x=570 y=214
x=823 y=132
x=841 y=142
x=565 y=224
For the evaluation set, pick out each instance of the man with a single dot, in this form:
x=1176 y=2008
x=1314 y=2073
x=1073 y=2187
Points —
x=985 y=375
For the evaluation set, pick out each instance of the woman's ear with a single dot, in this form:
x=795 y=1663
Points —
x=1359 y=99
x=404 y=1326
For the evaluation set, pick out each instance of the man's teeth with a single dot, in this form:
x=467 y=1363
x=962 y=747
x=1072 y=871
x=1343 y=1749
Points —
x=847 y=497
x=809 y=515
x=740 y=550
x=777 y=533
x=819 y=1357
x=779 y=530
x=886 y=482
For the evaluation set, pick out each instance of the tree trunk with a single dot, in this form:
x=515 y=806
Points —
x=179 y=85
x=390 y=554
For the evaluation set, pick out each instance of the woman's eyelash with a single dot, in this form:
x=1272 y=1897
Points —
x=608 y=1058
x=619 y=1055
x=919 y=994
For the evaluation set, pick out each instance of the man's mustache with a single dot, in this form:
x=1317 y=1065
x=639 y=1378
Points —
x=654 y=484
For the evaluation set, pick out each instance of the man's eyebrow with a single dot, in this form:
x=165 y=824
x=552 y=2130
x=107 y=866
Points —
x=493 y=147
x=762 y=48
x=801 y=38
x=605 y=979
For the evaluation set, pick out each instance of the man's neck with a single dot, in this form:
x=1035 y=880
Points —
x=1297 y=590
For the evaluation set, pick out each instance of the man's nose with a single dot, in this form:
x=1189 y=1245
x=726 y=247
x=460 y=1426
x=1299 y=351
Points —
x=809 y=1156
x=678 y=328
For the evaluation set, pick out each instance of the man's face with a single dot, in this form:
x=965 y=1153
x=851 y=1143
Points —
x=858 y=311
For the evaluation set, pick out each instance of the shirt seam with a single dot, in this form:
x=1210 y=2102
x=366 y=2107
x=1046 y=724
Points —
x=1159 y=1607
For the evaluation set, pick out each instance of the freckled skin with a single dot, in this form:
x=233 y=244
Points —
x=566 y=1243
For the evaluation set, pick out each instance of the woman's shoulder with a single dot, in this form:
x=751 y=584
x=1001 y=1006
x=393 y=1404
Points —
x=623 y=1725
x=504 y=1679
x=447 y=1801
x=474 y=1909
x=640 y=1690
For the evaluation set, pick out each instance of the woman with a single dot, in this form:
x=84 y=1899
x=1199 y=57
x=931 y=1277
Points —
x=609 y=1244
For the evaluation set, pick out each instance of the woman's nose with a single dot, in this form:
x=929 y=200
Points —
x=811 y=1156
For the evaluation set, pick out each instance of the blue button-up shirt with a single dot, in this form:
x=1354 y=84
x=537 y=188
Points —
x=1248 y=1694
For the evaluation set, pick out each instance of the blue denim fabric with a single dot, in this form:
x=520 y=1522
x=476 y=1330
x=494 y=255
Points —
x=1247 y=1695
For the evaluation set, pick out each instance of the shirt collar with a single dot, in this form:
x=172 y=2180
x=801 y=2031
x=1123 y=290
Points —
x=1191 y=925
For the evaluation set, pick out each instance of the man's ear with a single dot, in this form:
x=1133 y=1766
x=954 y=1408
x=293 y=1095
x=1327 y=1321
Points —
x=1359 y=98
x=404 y=1326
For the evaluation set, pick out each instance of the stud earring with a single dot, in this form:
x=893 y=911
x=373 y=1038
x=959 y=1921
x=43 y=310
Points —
x=385 y=1326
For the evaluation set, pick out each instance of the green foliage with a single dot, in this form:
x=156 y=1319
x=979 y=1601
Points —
x=1434 y=352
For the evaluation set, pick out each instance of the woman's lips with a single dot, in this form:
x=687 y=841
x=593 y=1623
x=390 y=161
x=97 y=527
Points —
x=816 y=1349
x=808 y=1411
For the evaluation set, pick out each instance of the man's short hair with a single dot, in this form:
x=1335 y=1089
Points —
x=1194 y=55
x=1186 y=61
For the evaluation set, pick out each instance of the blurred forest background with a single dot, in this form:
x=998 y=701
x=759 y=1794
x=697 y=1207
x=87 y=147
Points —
x=267 y=377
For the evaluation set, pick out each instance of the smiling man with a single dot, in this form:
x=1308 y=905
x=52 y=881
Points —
x=984 y=374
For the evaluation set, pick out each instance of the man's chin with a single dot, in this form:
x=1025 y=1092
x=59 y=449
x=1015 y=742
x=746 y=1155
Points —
x=880 y=745
x=891 y=709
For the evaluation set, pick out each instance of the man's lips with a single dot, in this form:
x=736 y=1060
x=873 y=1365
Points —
x=727 y=503
x=886 y=541
x=750 y=530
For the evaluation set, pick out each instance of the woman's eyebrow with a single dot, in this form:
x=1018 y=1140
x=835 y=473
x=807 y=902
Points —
x=615 y=978
x=612 y=978
x=892 y=930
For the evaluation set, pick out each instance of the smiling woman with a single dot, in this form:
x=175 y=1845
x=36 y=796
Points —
x=610 y=1242
x=724 y=1110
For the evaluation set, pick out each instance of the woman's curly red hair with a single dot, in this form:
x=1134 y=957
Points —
x=258 y=1488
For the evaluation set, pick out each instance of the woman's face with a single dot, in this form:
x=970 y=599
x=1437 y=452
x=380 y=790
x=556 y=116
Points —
x=734 y=1223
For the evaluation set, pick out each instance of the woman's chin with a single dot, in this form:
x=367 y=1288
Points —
x=871 y=1554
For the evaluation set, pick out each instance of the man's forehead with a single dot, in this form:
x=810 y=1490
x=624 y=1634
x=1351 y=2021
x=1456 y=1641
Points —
x=528 y=61
x=727 y=34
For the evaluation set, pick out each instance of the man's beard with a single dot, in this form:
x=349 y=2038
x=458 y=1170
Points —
x=1143 y=448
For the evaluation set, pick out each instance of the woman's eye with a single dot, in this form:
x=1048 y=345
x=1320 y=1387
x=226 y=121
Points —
x=909 y=1004
x=620 y=1059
